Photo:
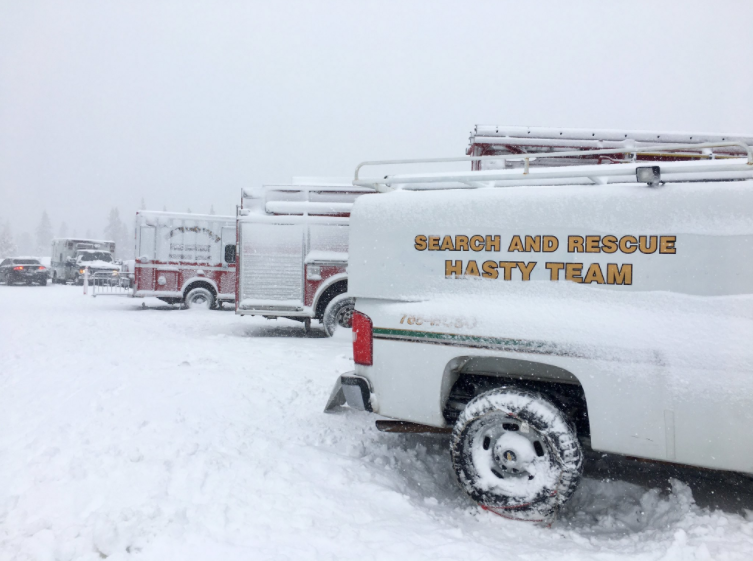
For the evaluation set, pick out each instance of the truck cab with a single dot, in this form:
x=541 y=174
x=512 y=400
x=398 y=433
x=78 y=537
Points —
x=71 y=257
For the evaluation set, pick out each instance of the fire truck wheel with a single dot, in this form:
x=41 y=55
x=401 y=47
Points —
x=200 y=298
x=338 y=313
x=516 y=454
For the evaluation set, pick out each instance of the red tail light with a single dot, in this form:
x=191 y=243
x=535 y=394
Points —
x=18 y=268
x=41 y=268
x=363 y=340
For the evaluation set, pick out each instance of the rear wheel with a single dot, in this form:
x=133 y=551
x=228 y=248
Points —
x=200 y=299
x=43 y=282
x=338 y=313
x=515 y=453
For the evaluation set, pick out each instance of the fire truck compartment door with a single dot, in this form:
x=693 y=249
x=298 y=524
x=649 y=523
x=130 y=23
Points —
x=228 y=238
x=147 y=242
x=271 y=272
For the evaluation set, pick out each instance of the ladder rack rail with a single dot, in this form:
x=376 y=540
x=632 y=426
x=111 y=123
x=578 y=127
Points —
x=485 y=178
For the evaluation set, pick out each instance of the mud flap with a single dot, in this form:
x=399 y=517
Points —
x=336 y=398
x=353 y=390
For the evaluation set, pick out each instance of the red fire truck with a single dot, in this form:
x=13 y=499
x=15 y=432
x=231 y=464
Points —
x=293 y=253
x=185 y=258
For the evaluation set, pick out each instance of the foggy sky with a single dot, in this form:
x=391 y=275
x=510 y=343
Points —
x=183 y=103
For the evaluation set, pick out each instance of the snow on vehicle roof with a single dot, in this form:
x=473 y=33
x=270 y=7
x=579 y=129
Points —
x=325 y=181
x=163 y=218
x=80 y=240
x=184 y=215
x=725 y=207
x=602 y=134
x=258 y=192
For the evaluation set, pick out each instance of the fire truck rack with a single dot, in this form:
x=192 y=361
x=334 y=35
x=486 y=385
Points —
x=700 y=163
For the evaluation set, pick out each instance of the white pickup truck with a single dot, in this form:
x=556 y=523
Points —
x=537 y=311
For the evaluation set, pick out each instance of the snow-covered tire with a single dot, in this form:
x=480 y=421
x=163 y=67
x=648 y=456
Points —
x=516 y=454
x=338 y=313
x=43 y=282
x=200 y=298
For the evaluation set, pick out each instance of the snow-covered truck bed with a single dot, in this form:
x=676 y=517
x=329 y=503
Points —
x=534 y=312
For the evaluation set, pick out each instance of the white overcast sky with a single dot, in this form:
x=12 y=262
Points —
x=183 y=103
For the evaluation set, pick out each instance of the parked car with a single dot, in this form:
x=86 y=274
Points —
x=23 y=270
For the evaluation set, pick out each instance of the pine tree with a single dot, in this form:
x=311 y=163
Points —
x=164 y=208
x=25 y=244
x=7 y=243
x=114 y=229
x=44 y=235
x=211 y=210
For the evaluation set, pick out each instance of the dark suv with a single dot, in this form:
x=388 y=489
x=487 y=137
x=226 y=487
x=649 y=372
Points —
x=23 y=270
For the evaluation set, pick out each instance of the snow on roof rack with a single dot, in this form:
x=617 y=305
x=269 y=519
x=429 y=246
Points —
x=687 y=165
x=489 y=140
x=604 y=135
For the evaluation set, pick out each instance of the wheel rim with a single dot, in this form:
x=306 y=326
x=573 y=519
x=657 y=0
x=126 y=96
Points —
x=510 y=456
x=199 y=300
x=344 y=316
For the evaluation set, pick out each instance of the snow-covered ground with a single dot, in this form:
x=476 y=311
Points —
x=169 y=434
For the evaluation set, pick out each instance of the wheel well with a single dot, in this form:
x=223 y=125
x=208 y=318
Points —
x=199 y=284
x=557 y=384
x=340 y=287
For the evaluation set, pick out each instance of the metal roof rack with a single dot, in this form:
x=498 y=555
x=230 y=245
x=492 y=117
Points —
x=703 y=165
x=488 y=140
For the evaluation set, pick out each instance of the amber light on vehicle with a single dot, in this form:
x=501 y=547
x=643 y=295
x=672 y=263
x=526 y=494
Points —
x=18 y=268
x=363 y=341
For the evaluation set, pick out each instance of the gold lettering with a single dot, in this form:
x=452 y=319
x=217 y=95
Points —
x=461 y=243
x=554 y=269
x=490 y=270
x=508 y=266
x=575 y=244
x=471 y=270
x=551 y=243
x=492 y=243
x=573 y=272
x=533 y=243
x=516 y=244
x=477 y=243
x=667 y=244
x=526 y=269
x=609 y=244
x=420 y=243
x=447 y=244
x=433 y=243
x=594 y=274
x=619 y=275
x=453 y=268
x=592 y=244
x=624 y=247
x=648 y=244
